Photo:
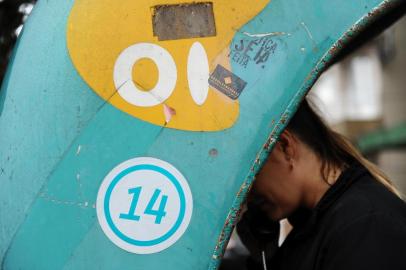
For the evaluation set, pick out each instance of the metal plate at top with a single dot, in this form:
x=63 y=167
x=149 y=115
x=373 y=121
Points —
x=171 y=22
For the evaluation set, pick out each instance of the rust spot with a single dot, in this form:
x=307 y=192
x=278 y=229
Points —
x=213 y=152
x=284 y=119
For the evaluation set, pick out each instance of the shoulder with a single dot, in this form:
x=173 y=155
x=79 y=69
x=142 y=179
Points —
x=374 y=240
x=367 y=200
x=367 y=221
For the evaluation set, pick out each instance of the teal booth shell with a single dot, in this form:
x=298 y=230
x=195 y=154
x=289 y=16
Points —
x=64 y=149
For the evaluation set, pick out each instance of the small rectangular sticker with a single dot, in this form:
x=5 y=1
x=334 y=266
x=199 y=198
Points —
x=227 y=82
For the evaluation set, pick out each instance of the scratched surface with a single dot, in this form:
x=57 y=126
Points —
x=172 y=22
x=59 y=138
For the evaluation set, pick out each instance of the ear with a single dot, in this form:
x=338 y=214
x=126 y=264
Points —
x=289 y=145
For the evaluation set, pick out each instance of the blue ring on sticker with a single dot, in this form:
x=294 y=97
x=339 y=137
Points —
x=174 y=228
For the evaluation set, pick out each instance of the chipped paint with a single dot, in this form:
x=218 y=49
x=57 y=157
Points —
x=169 y=113
x=264 y=34
x=78 y=150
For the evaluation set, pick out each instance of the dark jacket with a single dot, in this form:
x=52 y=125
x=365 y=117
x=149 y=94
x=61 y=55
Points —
x=358 y=224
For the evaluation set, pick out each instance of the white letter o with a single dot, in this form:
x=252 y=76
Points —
x=123 y=75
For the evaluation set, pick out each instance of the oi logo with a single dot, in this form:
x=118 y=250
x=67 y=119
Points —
x=112 y=45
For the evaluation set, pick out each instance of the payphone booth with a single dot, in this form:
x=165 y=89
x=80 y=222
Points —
x=131 y=131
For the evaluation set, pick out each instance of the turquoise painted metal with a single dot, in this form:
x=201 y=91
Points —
x=58 y=139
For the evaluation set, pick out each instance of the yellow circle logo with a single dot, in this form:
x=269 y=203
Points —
x=153 y=60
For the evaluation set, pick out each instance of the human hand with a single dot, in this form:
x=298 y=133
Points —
x=258 y=233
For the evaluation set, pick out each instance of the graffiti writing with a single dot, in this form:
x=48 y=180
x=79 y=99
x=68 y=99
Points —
x=258 y=51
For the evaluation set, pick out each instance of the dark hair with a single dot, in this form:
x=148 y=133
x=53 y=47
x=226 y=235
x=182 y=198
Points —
x=333 y=149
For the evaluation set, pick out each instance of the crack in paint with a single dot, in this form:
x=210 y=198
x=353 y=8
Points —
x=309 y=34
x=82 y=204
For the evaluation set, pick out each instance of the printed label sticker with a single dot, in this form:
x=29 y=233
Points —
x=227 y=82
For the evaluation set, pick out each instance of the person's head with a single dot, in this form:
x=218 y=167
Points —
x=306 y=160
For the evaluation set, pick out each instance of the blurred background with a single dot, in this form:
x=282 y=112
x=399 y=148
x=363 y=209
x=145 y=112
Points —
x=363 y=97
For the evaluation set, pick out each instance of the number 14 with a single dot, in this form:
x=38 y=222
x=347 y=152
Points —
x=159 y=214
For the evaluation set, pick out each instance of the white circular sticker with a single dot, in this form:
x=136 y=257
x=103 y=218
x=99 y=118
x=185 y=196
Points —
x=144 y=205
